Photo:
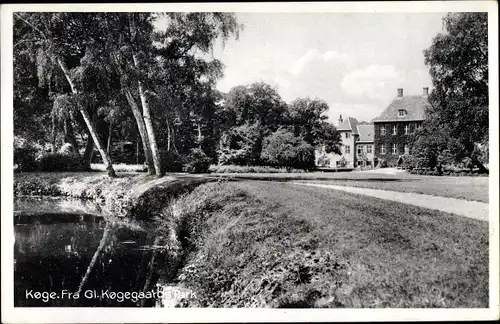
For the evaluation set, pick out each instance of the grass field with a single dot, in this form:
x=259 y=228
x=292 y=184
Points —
x=273 y=244
x=468 y=188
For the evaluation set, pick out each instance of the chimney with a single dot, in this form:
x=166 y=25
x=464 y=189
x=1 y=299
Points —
x=340 y=119
x=425 y=92
x=400 y=92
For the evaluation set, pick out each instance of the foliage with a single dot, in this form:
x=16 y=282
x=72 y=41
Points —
x=256 y=103
x=197 y=162
x=458 y=63
x=25 y=158
x=171 y=161
x=243 y=145
x=343 y=162
x=57 y=162
x=307 y=116
x=283 y=148
x=250 y=169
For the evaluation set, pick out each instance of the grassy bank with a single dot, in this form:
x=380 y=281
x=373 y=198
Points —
x=134 y=195
x=268 y=244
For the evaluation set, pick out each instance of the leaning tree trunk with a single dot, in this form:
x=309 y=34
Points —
x=149 y=124
x=137 y=115
x=90 y=126
x=89 y=153
x=110 y=131
x=142 y=130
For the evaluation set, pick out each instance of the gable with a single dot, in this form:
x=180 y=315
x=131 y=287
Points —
x=413 y=106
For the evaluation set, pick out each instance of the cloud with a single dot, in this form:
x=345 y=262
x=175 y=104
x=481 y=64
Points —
x=360 y=111
x=315 y=55
x=372 y=81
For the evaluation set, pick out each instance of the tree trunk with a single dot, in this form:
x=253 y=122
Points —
x=90 y=126
x=69 y=136
x=149 y=124
x=168 y=136
x=54 y=134
x=138 y=117
x=110 y=131
x=89 y=152
x=199 y=135
x=142 y=130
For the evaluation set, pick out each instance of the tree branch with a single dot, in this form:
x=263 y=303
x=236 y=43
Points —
x=31 y=25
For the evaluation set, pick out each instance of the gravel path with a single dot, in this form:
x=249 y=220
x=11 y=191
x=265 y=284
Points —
x=470 y=209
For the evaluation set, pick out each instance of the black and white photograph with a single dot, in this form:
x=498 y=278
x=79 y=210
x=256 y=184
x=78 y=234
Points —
x=180 y=158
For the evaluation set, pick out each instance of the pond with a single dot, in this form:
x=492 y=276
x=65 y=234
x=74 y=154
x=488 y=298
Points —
x=67 y=254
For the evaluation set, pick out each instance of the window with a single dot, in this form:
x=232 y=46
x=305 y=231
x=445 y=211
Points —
x=347 y=135
x=407 y=129
x=394 y=149
x=407 y=149
x=382 y=130
x=382 y=149
x=394 y=130
x=401 y=113
x=368 y=163
x=347 y=149
x=368 y=148
x=360 y=149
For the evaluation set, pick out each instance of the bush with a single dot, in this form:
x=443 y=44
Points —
x=283 y=148
x=197 y=162
x=25 y=158
x=382 y=163
x=171 y=161
x=249 y=169
x=53 y=162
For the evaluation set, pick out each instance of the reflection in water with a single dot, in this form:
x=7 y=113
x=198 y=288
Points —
x=102 y=261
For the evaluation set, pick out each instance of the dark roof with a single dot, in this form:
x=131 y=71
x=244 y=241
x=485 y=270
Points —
x=366 y=133
x=414 y=106
x=349 y=124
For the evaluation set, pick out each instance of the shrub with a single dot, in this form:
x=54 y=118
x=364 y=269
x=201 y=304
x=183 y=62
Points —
x=382 y=163
x=52 y=162
x=249 y=169
x=171 y=161
x=25 y=158
x=283 y=148
x=197 y=162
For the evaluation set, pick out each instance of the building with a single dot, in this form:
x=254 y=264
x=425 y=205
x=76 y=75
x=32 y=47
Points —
x=364 y=146
x=356 y=146
x=393 y=127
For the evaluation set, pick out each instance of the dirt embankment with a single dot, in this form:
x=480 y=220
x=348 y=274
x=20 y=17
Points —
x=130 y=195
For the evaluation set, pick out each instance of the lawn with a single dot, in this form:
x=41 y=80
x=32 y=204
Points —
x=272 y=244
x=468 y=188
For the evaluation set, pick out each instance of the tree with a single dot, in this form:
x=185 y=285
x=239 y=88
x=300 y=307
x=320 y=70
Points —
x=153 y=62
x=57 y=39
x=458 y=64
x=283 y=148
x=258 y=102
x=308 y=119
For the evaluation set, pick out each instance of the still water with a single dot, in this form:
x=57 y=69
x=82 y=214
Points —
x=66 y=254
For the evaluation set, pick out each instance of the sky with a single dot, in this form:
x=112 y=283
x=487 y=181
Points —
x=353 y=61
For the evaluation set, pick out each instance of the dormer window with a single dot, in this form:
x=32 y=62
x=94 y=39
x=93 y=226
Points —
x=402 y=113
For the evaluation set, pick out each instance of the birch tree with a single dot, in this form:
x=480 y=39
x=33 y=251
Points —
x=57 y=38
